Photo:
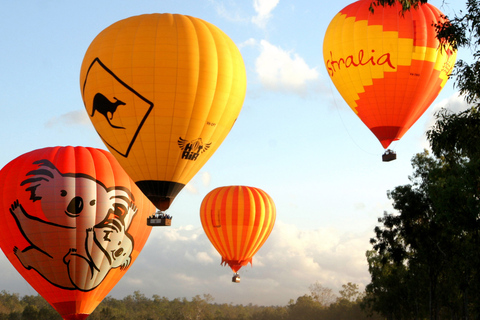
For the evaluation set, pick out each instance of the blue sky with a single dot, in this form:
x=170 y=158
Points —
x=295 y=138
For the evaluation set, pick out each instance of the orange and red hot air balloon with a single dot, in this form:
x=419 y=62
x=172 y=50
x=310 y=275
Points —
x=388 y=65
x=238 y=221
x=163 y=92
x=72 y=223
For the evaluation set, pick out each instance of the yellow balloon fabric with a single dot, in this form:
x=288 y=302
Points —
x=163 y=92
x=387 y=65
x=238 y=221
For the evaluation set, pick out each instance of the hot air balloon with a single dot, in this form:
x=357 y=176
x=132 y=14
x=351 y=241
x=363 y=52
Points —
x=387 y=65
x=238 y=221
x=72 y=224
x=163 y=92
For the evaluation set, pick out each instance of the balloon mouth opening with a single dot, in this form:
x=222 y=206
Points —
x=387 y=134
x=160 y=193
x=235 y=265
x=77 y=316
x=161 y=203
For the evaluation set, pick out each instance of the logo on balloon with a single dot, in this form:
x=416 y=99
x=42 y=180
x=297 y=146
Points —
x=449 y=64
x=104 y=244
x=192 y=149
x=106 y=108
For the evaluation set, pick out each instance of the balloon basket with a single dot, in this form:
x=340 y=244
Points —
x=159 y=220
x=389 y=155
x=236 y=278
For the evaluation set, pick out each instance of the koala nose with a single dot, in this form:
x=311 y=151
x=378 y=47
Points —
x=75 y=206
x=118 y=252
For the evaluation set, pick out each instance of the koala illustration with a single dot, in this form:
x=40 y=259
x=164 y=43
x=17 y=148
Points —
x=71 y=203
x=111 y=247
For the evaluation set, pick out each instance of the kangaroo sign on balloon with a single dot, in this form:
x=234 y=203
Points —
x=388 y=65
x=72 y=223
x=163 y=92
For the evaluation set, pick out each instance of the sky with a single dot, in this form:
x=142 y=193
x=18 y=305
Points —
x=295 y=138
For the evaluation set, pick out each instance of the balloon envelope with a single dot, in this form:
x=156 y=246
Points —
x=238 y=221
x=163 y=91
x=72 y=224
x=387 y=65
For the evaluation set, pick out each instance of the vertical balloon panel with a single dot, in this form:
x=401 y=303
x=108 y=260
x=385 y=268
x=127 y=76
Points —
x=73 y=222
x=163 y=91
x=238 y=221
x=387 y=65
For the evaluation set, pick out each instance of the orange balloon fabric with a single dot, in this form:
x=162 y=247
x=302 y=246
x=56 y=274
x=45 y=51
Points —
x=238 y=221
x=163 y=92
x=72 y=224
x=387 y=65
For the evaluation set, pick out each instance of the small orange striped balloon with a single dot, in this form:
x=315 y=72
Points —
x=387 y=65
x=238 y=221
x=73 y=222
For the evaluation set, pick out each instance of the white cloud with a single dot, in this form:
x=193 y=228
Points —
x=206 y=178
x=229 y=10
x=202 y=179
x=454 y=103
x=263 y=8
x=248 y=43
x=77 y=117
x=288 y=263
x=181 y=262
x=190 y=187
x=279 y=70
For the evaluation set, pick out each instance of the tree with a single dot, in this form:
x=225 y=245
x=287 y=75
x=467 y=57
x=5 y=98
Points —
x=407 y=4
x=350 y=292
x=198 y=308
x=432 y=243
x=393 y=291
x=9 y=302
x=304 y=308
x=322 y=295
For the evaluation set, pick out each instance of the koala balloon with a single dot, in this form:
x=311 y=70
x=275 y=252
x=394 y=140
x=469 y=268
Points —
x=73 y=218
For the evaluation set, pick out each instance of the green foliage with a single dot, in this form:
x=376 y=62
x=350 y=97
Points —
x=350 y=292
x=406 y=4
x=425 y=257
x=463 y=30
x=322 y=295
x=28 y=307
x=139 y=307
x=9 y=302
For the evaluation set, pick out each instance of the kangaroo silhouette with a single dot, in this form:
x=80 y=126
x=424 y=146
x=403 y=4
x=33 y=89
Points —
x=104 y=106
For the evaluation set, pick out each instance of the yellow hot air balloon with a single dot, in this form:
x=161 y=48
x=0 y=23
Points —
x=238 y=221
x=387 y=65
x=163 y=92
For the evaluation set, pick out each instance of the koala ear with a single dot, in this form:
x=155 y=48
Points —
x=46 y=172
x=123 y=196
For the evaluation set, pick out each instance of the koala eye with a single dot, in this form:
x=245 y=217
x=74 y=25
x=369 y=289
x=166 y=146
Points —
x=63 y=193
x=92 y=203
x=106 y=237
x=119 y=242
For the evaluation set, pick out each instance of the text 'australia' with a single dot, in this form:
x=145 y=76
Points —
x=361 y=59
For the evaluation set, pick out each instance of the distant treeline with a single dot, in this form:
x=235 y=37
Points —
x=319 y=304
